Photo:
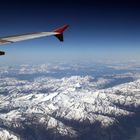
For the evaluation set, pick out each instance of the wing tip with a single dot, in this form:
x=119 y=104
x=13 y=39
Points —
x=60 y=31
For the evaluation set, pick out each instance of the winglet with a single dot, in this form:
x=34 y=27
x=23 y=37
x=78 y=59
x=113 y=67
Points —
x=60 y=32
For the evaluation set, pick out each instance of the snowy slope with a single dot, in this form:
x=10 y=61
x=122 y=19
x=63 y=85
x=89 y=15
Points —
x=58 y=107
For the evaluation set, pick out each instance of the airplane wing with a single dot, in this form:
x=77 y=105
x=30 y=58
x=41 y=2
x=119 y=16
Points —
x=15 y=38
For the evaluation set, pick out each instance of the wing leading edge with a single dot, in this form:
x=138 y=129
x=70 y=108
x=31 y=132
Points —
x=15 y=38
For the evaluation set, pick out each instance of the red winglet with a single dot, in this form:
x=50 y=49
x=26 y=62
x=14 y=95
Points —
x=60 y=32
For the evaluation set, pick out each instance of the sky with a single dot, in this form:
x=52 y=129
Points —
x=99 y=30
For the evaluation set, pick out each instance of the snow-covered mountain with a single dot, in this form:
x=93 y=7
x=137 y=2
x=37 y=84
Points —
x=67 y=108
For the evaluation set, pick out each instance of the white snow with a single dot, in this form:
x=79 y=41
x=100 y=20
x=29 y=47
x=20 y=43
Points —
x=72 y=98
